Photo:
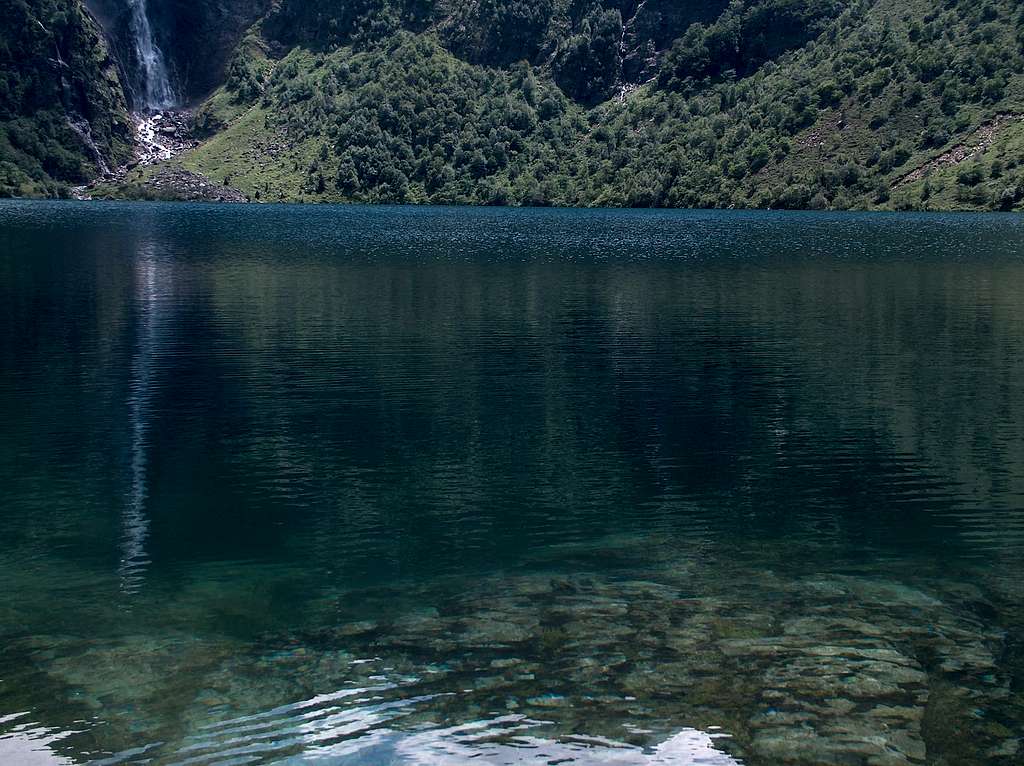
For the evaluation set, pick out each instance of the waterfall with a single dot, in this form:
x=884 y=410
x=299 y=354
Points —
x=157 y=90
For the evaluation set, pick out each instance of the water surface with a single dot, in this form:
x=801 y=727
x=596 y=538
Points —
x=428 y=486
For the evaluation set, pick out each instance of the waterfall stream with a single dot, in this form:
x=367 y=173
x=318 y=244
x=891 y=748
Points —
x=158 y=93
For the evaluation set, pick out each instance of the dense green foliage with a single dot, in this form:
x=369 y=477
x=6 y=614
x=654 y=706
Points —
x=743 y=38
x=409 y=122
x=771 y=103
x=726 y=103
x=587 y=43
x=58 y=92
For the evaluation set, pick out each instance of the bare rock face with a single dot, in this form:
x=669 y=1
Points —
x=197 y=38
x=652 y=27
x=200 y=37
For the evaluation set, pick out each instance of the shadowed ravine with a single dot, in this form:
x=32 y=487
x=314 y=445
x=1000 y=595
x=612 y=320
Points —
x=399 y=485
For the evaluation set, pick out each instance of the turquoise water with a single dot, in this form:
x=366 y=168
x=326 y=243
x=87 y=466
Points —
x=350 y=485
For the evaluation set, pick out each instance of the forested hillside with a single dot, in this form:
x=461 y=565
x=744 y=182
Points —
x=62 y=111
x=750 y=103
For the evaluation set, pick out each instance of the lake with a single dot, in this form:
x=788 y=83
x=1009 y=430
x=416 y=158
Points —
x=395 y=485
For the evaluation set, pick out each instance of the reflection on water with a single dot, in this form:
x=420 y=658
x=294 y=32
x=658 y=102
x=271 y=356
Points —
x=360 y=732
x=397 y=485
x=135 y=525
x=27 y=743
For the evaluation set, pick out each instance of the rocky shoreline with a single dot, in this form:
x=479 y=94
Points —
x=160 y=137
x=174 y=182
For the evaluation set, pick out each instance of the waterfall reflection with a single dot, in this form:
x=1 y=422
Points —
x=149 y=276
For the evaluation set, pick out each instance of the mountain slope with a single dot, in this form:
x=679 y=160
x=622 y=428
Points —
x=750 y=103
x=62 y=110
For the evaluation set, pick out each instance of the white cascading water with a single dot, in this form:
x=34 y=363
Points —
x=158 y=93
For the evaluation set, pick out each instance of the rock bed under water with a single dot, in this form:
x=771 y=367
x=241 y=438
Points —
x=696 y=662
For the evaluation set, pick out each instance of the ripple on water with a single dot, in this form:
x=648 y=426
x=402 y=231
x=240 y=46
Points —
x=422 y=484
x=699 y=662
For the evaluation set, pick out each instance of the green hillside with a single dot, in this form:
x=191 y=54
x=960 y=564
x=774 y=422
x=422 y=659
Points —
x=751 y=103
x=62 y=110
x=783 y=103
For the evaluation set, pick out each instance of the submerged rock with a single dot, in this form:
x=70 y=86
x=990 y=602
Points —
x=822 y=671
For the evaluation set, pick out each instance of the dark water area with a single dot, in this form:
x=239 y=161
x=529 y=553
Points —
x=347 y=485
